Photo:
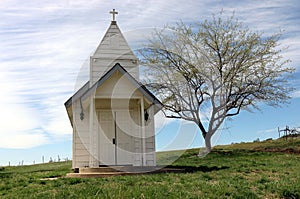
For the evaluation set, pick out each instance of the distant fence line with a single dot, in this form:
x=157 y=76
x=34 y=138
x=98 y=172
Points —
x=59 y=159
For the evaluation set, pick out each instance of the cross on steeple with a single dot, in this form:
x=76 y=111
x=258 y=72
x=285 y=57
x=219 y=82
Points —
x=113 y=12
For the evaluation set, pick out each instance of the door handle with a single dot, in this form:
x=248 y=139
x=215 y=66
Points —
x=114 y=140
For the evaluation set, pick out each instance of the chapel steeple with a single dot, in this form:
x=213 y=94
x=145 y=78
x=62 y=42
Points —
x=112 y=49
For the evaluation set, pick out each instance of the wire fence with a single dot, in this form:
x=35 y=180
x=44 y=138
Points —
x=42 y=161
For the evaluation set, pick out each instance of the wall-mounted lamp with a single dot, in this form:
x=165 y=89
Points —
x=146 y=115
x=81 y=113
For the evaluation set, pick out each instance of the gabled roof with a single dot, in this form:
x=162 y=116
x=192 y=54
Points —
x=85 y=91
x=108 y=43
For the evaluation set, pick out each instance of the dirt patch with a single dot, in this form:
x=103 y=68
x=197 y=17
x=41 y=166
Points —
x=54 y=178
x=279 y=150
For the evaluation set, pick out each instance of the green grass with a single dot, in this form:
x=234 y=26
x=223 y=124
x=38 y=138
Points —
x=233 y=171
x=292 y=144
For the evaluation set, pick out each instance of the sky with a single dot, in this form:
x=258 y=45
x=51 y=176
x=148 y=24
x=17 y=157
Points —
x=45 y=46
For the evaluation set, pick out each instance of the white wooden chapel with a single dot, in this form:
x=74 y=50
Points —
x=112 y=115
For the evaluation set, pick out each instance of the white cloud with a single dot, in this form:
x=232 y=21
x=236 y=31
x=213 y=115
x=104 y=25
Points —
x=296 y=94
x=292 y=52
x=19 y=123
x=44 y=44
x=268 y=131
x=27 y=123
x=58 y=124
x=23 y=140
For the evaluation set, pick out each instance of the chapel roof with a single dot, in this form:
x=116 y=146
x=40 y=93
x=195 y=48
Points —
x=86 y=91
x=114 y=44
x=115 y=48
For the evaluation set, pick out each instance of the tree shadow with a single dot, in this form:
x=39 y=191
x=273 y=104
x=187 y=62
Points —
x=5 y=174
x=192 y=169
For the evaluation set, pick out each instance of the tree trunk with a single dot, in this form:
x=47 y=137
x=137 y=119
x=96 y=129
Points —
x=208 y=147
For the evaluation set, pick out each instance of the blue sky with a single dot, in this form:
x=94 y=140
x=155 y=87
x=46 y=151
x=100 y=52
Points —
x=46 y=44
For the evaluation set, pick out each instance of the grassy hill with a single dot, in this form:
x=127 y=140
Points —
x=268 y=169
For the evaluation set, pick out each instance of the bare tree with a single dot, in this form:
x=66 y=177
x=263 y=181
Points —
x=218 y=67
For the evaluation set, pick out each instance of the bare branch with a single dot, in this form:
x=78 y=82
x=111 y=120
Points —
x=219 y=65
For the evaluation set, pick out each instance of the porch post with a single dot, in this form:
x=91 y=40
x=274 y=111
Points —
x=143 y=133
x=93 y=162
x=91 y=132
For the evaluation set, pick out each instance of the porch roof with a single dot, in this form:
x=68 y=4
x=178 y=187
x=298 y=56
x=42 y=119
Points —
x=85 y=91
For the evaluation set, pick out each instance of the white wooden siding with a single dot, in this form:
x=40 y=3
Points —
x=112 y=49
x=80 y=136
x=116 y=93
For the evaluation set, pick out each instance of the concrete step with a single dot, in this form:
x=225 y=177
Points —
x=97 y=170
x=95 y=175
x=121 y=170
x=130 y=169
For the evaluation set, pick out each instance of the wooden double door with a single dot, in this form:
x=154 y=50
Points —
x=115 y=137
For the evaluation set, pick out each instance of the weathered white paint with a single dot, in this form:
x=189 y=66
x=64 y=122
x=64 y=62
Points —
x=112 y=49
x=117 y=86
x=143 y=131
x=116 y=139
x=81 y=137
x=93 y=162
x=125 y=97
x=115 y=110
x=150 y=139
